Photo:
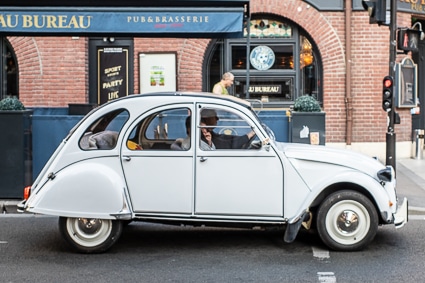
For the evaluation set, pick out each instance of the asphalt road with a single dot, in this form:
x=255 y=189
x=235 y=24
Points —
x=32 y=250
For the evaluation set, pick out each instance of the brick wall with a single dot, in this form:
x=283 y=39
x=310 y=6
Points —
x=53 y=71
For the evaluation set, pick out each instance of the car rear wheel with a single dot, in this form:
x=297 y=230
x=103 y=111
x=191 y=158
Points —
x=88 y=235
x=347 y=221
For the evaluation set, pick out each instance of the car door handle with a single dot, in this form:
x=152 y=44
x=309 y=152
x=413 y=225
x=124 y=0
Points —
x=203 y=159
x=126 y=158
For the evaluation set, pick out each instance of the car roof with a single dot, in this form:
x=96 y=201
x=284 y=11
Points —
x=232 y=98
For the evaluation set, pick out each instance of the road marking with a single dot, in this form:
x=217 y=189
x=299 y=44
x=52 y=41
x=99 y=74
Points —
x=3 y=242
x=320 y=253
x=326 y=277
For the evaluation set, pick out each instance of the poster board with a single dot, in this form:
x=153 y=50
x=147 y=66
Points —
x=157 y=72
x=406 y=84
x=112 y=76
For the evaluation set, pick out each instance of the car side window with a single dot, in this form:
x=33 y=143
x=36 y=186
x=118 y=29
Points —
x=103 y=133
x=162 y=130
x=222 y=129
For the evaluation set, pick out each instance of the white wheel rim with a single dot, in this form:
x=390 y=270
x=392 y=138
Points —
x=89 y=232
x=347 y=222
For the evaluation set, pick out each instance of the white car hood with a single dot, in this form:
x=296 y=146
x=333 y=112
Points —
x=340 y=157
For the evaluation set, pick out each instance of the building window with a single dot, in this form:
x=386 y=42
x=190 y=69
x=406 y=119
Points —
x=9 y=74
x=283 y=63
x=269 y=28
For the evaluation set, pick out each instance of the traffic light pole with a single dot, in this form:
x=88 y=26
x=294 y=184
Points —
x=391 y=136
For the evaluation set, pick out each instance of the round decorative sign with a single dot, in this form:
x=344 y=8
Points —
x=262 y=57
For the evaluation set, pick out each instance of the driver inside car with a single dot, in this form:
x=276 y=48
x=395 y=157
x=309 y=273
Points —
x=223 y=141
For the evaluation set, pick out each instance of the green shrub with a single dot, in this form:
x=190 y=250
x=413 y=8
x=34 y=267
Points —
x=11 y=103
x=307 y=103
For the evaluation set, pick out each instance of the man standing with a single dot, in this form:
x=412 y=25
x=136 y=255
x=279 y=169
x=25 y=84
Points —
x=221 y=86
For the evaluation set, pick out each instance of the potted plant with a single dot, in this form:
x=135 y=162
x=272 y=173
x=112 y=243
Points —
x=15 y=148
x=307 y=121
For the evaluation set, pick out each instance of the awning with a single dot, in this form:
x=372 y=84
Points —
x=182 y=20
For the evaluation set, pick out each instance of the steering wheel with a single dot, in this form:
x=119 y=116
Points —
x=249 y=144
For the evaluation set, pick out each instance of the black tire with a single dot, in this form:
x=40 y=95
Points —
x=87 y=235
x=347 y=221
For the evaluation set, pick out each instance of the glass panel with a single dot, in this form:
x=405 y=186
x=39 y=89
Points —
x=310 y=75
x=306 y=52
x=103 y=133
x=267 y=89
x=215 y=66
x=269 y=28
x=221 y=129
x=165 y=130
x=283 y=57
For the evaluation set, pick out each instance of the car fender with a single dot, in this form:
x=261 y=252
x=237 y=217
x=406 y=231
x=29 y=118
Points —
x=317 y=183
x=386 y=206
x=84 y=189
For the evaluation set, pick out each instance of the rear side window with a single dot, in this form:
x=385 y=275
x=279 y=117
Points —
x=162 y=130
x=103 y=133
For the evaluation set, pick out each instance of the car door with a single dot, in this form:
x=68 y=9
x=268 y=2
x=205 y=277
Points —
x=237 y=182
x=159 y=179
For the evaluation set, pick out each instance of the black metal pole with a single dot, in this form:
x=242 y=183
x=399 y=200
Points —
x=391 y=136
x=248 y=50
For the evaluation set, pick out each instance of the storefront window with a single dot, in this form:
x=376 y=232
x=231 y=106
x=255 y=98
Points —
x=9 y=75
x=282 y=58
x=269 y=28
x=309 y=75
x=272 y=57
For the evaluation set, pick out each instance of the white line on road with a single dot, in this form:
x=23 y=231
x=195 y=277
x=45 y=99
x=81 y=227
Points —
x=326 y=277
x=3 y=242
x=320 y=253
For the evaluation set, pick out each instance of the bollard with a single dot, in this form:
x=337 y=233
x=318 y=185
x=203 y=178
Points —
x=418 y=144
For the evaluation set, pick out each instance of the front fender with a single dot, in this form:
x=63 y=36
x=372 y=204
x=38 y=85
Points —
x=317 y=182
x=385 y=201
x=84 y=189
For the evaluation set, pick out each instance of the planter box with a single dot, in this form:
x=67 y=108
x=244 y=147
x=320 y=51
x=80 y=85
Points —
x=15 y=153
x=308 y=127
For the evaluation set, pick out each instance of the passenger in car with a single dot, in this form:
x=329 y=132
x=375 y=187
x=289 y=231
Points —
x=206 y=142
x=222 y=141
x=183 y=143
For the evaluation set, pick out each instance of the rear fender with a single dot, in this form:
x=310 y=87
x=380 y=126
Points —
x=84 y=189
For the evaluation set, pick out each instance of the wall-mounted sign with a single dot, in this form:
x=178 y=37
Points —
x=262 y=57
x=112 y=73
x=202 y=22
x=157 y=72
x=265 y=89
x=406 y=84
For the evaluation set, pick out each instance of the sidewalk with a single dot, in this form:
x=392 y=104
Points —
x=410 y=184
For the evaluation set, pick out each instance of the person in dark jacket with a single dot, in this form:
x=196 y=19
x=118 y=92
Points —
x=223 y=141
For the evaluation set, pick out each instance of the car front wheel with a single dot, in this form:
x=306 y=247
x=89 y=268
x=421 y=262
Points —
x=347 y=221
x=88 y=235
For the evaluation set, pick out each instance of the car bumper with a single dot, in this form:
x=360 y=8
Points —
x=401 y=217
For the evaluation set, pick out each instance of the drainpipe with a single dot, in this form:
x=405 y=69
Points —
x=348 y=95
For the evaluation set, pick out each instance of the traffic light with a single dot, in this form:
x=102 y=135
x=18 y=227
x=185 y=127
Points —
x=408 y=39
x=377 y=10
x=387 y=93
